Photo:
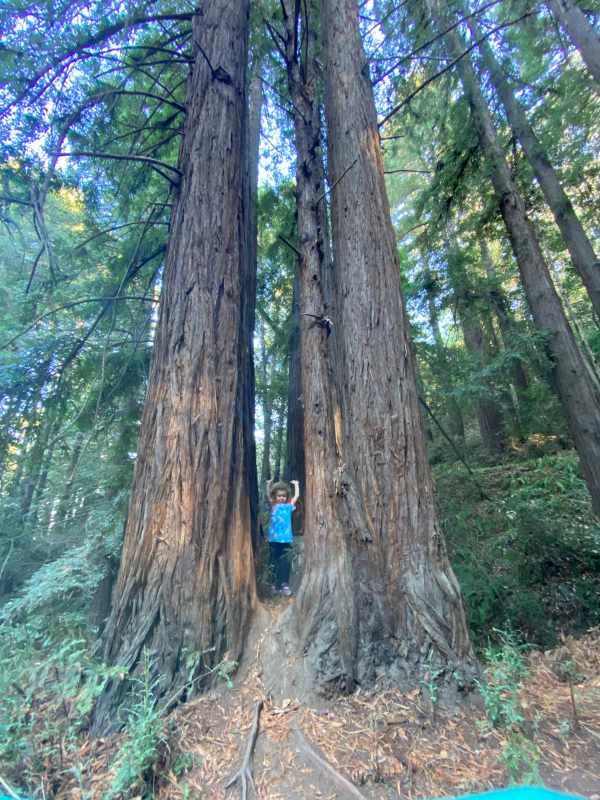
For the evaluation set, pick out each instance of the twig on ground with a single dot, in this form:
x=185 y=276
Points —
x=244 y=774
x=343 y=785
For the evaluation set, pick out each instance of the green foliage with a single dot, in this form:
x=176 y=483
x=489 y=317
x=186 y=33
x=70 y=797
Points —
x=505 y=669
x=48 y=683
x=521 y=758
x=529 y=557
x=144 y=734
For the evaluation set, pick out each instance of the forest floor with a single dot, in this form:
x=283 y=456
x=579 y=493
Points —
x=384 y=744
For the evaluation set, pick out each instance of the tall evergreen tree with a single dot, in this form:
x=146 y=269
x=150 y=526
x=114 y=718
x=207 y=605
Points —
x=186 y=580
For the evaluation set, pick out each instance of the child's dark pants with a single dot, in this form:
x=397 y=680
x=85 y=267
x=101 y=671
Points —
x=280 y=559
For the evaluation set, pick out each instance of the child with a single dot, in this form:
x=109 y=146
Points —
x=280 y=531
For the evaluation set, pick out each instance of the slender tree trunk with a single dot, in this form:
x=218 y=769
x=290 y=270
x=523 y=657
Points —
x=576 y=382
x=65 y=497
x=457 y=425
x=186 y=579
x=489 y=416
x=281 y=425
x=500 y=307
x=578 y=244
x=584 y=37
x=267 y=409
x=255 y=101
x=398 y=605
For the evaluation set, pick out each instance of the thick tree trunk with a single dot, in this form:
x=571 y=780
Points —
x=324 y=610
x=294 y=462
x=396 y=603
x=584 y=37
x=578 y=244
x=576 y=382
x=186 y=579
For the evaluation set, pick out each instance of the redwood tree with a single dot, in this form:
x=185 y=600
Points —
x=575 y=380
x=379 y=593
x=186 y=581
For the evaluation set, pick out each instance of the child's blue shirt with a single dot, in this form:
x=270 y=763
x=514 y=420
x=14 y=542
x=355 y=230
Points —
x=280 y=526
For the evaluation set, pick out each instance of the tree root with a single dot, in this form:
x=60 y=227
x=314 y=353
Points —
x=343 y=785
x=244 y=774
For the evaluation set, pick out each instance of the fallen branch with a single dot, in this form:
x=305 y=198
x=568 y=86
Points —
x=343 y=785
x=244 y=773
x=7 y=788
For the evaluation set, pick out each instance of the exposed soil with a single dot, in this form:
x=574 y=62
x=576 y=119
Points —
x=388 y=744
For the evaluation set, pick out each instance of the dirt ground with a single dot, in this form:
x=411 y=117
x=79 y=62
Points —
x=379 y=745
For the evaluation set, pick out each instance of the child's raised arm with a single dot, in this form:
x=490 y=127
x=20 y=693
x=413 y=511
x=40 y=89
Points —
x=296 y=486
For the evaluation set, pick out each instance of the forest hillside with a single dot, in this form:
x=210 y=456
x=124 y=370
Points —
x=299 y=397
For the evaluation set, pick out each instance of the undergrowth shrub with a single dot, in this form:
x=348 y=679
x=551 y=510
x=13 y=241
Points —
x=527 y=558
x=140 y=751
x=505 y=670
x=48 y=683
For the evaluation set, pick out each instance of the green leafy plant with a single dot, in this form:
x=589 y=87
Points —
x=505 y=670
x=521 y=758
x=144 y=730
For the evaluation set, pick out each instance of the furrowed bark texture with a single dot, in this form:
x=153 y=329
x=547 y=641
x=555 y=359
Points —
x=575 y=238
x=186 y=579
x=584 y=37
x=406 y=609
x=576 y=382
x=294 y=461
x=324 y=609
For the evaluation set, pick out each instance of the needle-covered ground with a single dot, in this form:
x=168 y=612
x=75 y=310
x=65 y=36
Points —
x=540 y=723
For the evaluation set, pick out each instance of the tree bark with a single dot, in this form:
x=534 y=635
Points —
x=267 y=410
x=254 y=108
x=186 y=579
x=294 y=462
x=324 y=609
x=584 y=37
x=576 y=383
x=397 y=604
x=489 y=416
x=66 y=496
x=501 y=311
x=578 y=244
x=278 y=468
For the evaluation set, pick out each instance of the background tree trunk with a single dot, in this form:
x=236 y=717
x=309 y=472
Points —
x=455 y=417
x=585 y=38
x=578 y=244
x=576 y=382
x=267 y=409
x=186 y=579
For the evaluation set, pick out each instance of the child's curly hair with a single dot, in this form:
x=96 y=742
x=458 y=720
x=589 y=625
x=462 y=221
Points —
x=280 y=486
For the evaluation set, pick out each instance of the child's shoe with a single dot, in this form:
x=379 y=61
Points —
x=285 y=590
